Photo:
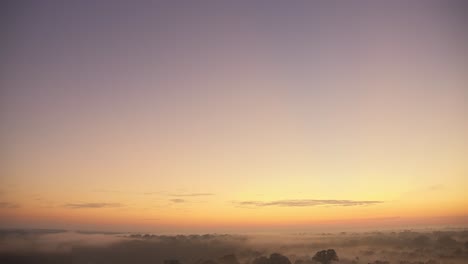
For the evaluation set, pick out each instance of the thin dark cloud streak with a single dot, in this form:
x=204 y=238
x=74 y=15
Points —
x=179 y=194
x=191 y=194
x=9 y=205
x=92 y=205
x=436 y=187
x=305 y=203
x=177 y=200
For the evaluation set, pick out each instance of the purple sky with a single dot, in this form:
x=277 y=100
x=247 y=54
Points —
x=367 y=99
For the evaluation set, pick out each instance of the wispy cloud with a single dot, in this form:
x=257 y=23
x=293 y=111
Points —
x=190 y=194
x=92 y=205
x=108 y=191
x=151 y=219
x=436 y=187
x=305 y=203
x=8 y=205
x=177 y=200
x=150 y=193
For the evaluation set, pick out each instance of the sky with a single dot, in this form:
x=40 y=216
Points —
x=233 y=116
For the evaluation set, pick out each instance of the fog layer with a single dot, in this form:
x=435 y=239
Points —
x=61 y=246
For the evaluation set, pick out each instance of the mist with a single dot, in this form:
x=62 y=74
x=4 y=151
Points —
x=403 y=247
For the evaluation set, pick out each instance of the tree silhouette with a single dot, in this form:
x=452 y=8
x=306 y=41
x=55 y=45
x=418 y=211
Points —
x=274 y=258
x=277 y=258
x=261 y=260
x=172 y=261
x=326 y=256
x=229 y=259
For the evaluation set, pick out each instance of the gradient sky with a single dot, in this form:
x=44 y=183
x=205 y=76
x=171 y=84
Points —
x=190 y=116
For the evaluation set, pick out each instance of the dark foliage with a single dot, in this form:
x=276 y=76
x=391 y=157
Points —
x=326 y=256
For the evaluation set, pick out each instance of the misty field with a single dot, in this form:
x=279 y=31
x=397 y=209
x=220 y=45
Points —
x=402 y=247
